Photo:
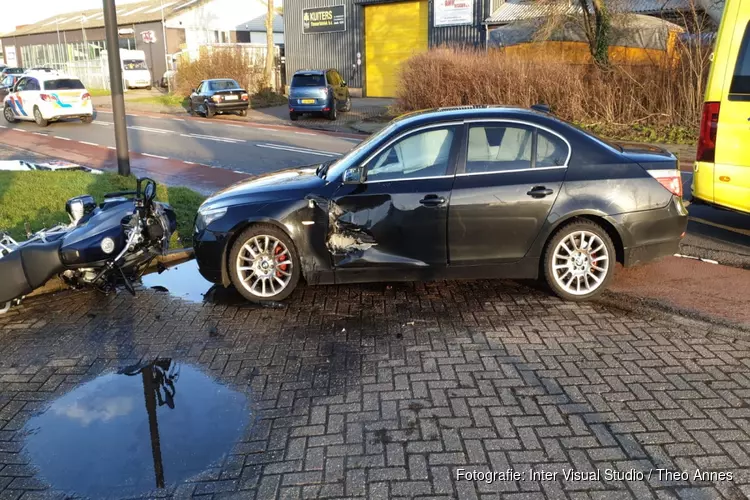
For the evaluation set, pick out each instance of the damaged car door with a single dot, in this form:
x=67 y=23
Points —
x=391 y=212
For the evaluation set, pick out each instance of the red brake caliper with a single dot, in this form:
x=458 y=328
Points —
x=282 y=258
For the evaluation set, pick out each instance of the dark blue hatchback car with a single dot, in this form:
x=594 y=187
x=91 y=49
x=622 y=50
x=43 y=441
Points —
x=320 y=92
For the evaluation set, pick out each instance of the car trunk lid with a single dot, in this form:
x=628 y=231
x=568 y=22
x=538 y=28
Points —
x=660 y=164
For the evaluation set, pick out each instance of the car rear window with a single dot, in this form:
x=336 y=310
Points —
x=64 y=84
x=223 y=85
x=308 y=81
x=740 y=88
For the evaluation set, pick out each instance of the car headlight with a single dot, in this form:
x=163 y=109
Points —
x=207 y=216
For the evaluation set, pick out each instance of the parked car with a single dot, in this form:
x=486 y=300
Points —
x=721 y=174
x=318 y=92
x=11 y=71
x=6 y=84
x=484 y=192
x=45 y=97
x=218 y=96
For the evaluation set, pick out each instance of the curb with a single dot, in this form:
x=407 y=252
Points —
x=56 y=284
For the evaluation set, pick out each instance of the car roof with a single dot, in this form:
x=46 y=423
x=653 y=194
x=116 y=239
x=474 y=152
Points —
x=464 y=112
x=221 y=80
x=45 y=76
x=311 y=72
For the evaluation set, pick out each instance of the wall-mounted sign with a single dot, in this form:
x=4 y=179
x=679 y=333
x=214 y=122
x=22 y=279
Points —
x=324 y=19
x=148 y=36
x=126 y=31
x=453 y=12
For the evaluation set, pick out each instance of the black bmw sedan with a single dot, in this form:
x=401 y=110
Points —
x=490 y=192
x=218 y=96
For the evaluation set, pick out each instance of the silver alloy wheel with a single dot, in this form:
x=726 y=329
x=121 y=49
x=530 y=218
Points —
x=9 y=116
x=264 y=266
x=580 y=263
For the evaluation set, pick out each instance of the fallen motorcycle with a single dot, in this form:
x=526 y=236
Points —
x=102 y=246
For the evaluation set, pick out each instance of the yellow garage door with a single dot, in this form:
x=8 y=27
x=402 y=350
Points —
x=393 y=32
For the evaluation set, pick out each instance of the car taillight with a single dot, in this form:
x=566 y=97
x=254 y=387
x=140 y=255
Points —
x=707 y=137
x=46 y=98
x=243 y=97
x=670 y=179
x=86 y=96
x=216 y=98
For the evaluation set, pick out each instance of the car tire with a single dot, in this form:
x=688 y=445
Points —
x=269 y=245
x=243 y=112
x=571 y=269
x=209 y=112
x=39 y=119
x=87 y=119
x=348 y=105
x=333 y=113
x=148 y=88
x=10 y=117
x=293 y=116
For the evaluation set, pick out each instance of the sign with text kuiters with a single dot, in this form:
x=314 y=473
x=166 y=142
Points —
x=324 y=19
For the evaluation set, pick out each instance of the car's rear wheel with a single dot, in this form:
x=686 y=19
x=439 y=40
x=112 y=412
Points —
x=209 y=110
x=333 y=112
x=579 y=261
x=293 y=116
x=39 y=119
x=263 y=264
x=10 y=117
x=243 y=112
x=87 y=119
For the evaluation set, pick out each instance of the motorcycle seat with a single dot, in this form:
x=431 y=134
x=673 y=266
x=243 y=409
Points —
x=41 y=261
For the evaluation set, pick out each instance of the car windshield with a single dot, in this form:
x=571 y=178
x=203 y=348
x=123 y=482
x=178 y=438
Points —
x=223 y=85
x=308 y=80
x=134 y=64
x=8 y=81
x=64 y=84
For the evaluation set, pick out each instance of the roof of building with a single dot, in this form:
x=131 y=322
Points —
x=143 y=11
x=516 y=10
x=259 y=24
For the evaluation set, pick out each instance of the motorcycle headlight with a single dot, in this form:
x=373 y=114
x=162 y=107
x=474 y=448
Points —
x=207 y=216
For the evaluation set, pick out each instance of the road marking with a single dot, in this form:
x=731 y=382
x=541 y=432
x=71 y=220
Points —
x=189 y=162
x=20 y=130
x=179 y=119
x=745 y=232
x=63 y=138
x=103 y=124
x=292 y=149
x=89 y=143
x=213 y=138
x=103 y=111
x=267 y=129
x=39 y=133
x=148 y=129
x=235 y=126
x=304 y=133
x=238 y=172
x=155 y=156
x=3 y=126
x=112 y=147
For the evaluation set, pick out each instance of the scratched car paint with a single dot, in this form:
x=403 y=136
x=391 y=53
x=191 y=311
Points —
x=452 y=193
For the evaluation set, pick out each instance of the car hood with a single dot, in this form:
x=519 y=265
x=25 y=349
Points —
x=267 y=187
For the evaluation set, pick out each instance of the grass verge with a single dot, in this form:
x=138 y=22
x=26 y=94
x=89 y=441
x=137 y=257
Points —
x=163 y=100
x=99 y=92
x=39 y=199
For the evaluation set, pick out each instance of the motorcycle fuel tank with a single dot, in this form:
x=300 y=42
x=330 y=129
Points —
x=82 y=247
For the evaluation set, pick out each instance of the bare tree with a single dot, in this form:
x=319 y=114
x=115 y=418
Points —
x=597 y=24
x=270 y=47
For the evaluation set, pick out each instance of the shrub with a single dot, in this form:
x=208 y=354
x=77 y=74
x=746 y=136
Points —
x=219 y=62
x=665 y=99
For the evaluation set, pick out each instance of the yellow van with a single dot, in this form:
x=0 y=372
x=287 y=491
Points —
x=722 y=168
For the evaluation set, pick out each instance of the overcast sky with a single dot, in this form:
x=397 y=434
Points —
x=36 y=10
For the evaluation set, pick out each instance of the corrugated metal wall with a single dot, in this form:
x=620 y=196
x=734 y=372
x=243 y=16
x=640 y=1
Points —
x=471 y=35
x=324 y=50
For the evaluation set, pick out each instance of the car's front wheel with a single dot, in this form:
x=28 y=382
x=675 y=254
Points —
x=10 y=117
x=264 y=264
x=579 y=261
x=39 y=119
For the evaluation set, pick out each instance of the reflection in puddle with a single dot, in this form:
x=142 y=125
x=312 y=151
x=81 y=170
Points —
x=127 y=433
x=185 y=282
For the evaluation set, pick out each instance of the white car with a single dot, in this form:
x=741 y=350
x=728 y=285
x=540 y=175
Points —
x=44 y=96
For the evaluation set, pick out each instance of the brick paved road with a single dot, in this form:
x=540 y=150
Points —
x=384 y=391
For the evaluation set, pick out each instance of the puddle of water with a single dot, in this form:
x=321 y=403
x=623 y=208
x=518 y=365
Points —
x=184 y=281
x=129 y=433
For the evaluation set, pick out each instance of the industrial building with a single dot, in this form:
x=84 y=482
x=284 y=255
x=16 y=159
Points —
x=160 y=28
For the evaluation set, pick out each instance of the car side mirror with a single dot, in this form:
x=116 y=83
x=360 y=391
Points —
x=353 y=175
x=192 y=91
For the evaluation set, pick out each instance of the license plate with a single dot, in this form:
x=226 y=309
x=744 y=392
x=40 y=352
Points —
x=230 y=98
x=307 y=101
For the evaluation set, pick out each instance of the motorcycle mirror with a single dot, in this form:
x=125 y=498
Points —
x=149 y=192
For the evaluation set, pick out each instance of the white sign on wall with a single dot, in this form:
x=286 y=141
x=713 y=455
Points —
x=10 y=56
x=453 y=12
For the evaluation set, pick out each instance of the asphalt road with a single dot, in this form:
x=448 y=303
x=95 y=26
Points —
x=713 y=234
x=253 y=150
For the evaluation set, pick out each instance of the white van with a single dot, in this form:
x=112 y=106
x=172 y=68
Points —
x=135 y=73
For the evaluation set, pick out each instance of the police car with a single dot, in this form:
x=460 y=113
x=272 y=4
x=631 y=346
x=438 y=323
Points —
x=46 y=96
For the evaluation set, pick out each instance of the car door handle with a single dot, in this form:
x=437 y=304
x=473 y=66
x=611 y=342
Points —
x=539 y=192
x=432 y=200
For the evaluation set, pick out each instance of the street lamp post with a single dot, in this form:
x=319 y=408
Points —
x=115 y=82
x=166 y=55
